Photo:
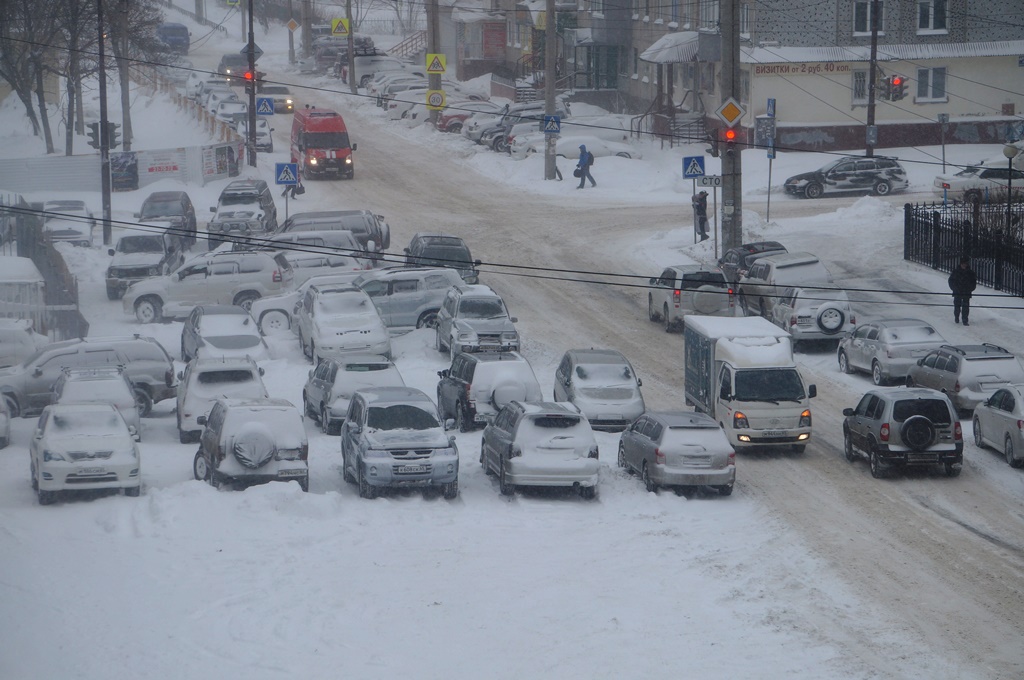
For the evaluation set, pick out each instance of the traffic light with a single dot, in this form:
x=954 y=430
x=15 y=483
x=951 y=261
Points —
x=112 y=135
x=713 y=149
x=898 y=89
x=250 y=78
x=729 y=134
x=94 y=135
x=886 y=89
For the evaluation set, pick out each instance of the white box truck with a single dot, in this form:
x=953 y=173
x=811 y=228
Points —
x=741 y=372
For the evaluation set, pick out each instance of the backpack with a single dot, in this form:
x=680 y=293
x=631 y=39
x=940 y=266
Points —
x=591 y=158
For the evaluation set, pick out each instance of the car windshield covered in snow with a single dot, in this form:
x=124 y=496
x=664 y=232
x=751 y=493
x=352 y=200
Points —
x=400 y=417
x=86 y=423
x=482 y=308
x=606 y=375
x=909 y=334
x=239 y=199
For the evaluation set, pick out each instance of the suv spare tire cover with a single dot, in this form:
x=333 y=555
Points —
x=508 y=392
x=709 y=299
x=917 y=432
x=831 y=319
x=253 y=446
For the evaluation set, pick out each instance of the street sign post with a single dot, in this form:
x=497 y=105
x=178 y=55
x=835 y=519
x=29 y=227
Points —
x=435 y=100
x=552 y=125
x=710 y=181
x=287 y=175
x=256 y=51
x=339 y=27
x=264 y=106
x=436 y=63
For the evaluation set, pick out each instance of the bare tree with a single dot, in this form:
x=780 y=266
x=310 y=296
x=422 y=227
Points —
x=30 y=38
x=133 y=40
x=77 y=23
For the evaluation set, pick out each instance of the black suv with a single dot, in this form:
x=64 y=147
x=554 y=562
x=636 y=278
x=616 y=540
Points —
x=175 y=207
x=878 y=175
x=234 y=66
x=736 y=262
x=442 y=250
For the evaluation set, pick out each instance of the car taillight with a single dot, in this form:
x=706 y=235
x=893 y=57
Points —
x=515 y=452
x=594 y=452
x=1020 y=425
x=805 y=418
x=883 y=432
x=945 y=185
x=739 y=420
x=956 y=386
x=675 y=297
x=277 y=278
x=958 y=433
x=853 y=320
x=468 y=388
x=792 y=320
x=732 y=459
x=732 y=301
x=659 y=457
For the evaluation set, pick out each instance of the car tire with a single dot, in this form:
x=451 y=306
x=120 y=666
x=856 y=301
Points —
x=47 y=497
x=307 y=408
x=460 y=418
x=274 y=321
x=366 y=490
x=188 y=437
x=645 y=476
x=325 y=422
x=588 y=493
x=133 y=491
x=143 y=402
x=427 y=319
x=876 y=373
x=200 y=468
x=848 y=450
x=1010 y=454
x=483 y=461
x=952 y=469
x=149 y=310
x=345 y=474
x=978 y=439
x=882 y=188
x=724 y=489
x=814 y=190
x=972 y=196
x=831 y=320
x=622 y=459
x=504 y=487
x=844 y=362
x=651 y=314
x=918 y=433
x=302 y=345
x=878 y=470
x=455 y=128
x=438 y=345
x=245 y=300
x=666 y=319
x=450 y=491
x=761 y=309
x=500 y=144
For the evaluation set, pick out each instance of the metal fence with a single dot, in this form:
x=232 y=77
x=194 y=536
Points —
x=62 y=318
x=990 y=234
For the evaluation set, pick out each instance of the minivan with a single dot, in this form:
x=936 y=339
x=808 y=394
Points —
x=320 y=143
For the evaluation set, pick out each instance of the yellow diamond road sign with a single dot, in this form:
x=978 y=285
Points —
x=292 y=25
x=435 y=100
x=339 y=27
x=436 y=63
x=730 y=112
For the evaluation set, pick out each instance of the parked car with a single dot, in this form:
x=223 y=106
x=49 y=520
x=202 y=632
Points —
x=5 y=424
x=197 y=81
x=274 y=313
x=215 y=98
x=338 y=319
x=246 y=199
x=221 y=331
x=998 y=423
x=284 y=101
x=332 y=242
x=332 y=383
x=366 y=65
x=174 y=37
x=768 y=276
x=233 y=65
x=967 y=374
x=392 y=437
x=678 y=448
x=408 y=297
x=205 y=380
x=442 y=250
x=477 y=386
x=688 y=289
x=232 y=113
x=522 y=144
x=101 y=385
x=819 y=313
x=69 y=220
x=139 y=256
x=455 y=114
x=372 y=232
x=82 y=446
x=978 y=182
x=602 y=384
x=264 y=141
x=899 y=427
x=736 y=262
x=18 y=341
x=887 y=348
x=474 y=319
x=27 y=387
x=878 y=175
x=252 y=441
x=541 y=444
x=174 y=207
x=224 y=278
x=308 y=265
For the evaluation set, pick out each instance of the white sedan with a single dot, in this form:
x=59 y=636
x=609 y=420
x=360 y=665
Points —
x=569 y=146
x=980 y=182
x=82 y=446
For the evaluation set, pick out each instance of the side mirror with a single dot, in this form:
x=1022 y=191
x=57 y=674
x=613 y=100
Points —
x=477 y=263
x=514 y=319
x=639 y=382
x=262 y=372
x=920 y=362
x=449 y=424
x=132 y=431
x=37 y=372
x=812 y=391
x=847 y=411
x=653 y=281
x=442 y=374
x=406 y=251
x=110 y=251
x=451 y=440
x=724 y=395
x=39 y=434
x=353 y=147
x=181 y=375
x=213 y=209
x=201 y=420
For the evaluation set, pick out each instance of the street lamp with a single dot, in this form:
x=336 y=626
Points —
x=1010 y=151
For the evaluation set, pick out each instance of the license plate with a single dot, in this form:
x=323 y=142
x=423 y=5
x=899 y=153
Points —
x=292 y=473
x=772 y=433
x=91 y=471
x=413 y=469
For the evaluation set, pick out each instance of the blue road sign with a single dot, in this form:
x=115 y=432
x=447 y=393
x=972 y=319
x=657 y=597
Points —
x=771 y=108
x=693 y=167
x=265 y=106
x=771 y=147
x=286 y=174
x=552 y=125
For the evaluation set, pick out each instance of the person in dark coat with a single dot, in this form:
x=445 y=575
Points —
x=586 y=160
x=700 y=213
x=962 y=282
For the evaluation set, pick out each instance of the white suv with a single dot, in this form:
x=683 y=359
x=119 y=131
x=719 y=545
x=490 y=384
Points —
x=689 y=289
x=207 y=379
x=473 y=319
x=339 y=319
x=223 y=278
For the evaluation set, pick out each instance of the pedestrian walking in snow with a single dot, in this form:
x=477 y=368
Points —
x=962 y=282
x=586 y=160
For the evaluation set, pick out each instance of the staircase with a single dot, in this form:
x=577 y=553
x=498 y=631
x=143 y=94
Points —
x=411 y=46
x=687 y=128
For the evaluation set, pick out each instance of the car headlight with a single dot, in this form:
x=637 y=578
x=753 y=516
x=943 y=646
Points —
x=739 y=420
x=348 y=160
x=312 y=161
x=805 y=418
x=51 y=455
x=288 y=101
x=112 y=273
x=153 y=271
x=509 y=336
x=466 y=336
x=375 y=453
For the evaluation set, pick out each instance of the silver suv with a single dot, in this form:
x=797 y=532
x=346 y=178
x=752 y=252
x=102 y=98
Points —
x=887 y=348
x=473 y=319
x=204 y=381
x=392 y=437
x=819 y=313
x=770 y=274
x=223 y=278
x=689 y=289
x=408 y=297
x=899 y=427
x=967 y=374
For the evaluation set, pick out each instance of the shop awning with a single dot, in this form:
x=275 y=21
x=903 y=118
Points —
x=673 y=48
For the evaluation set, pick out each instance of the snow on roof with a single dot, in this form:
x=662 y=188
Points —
x=672 y=48
x=781 y=54
x=734 y=327
x=19 y=269
x=755 y=351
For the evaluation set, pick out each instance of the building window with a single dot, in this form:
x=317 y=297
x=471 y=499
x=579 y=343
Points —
x=931 y=85
x=931 y=16
x=597 y=6
x=675 y=11
x=709 y=14
x=746 y=14
x=862 y=17
x=860 y=87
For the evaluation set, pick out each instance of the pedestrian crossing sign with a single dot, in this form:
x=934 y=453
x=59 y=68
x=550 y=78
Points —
x=265 y=106
x=436 y=63
x=286 y=174
x=552 y=125
x=693 y=167
x=339 y=27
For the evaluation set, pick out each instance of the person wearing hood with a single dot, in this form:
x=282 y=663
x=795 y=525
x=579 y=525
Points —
x=586 y=160
x=700 y=214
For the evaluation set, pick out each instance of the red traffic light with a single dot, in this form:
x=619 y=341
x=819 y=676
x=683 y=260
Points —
x=730 y=135
x=897 y=81
x=248 y=75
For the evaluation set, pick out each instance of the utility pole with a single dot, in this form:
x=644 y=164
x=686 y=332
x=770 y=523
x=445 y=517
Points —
x=104 y=132
x=433 y=47
x=871 y=132
x=291 y=35
x=307 y=28
x=250 y=50
x=732 y=169
x=353 y=86
x=549 y=86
